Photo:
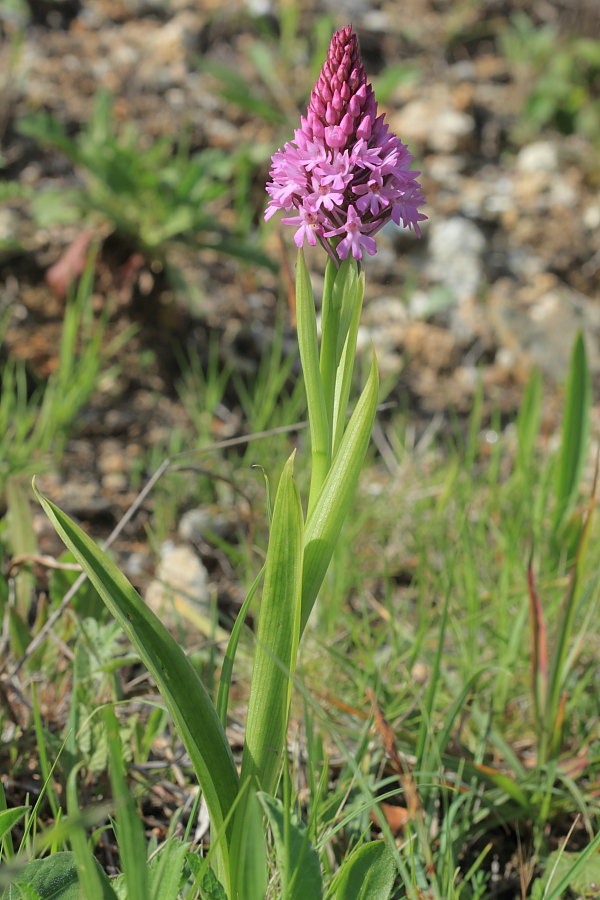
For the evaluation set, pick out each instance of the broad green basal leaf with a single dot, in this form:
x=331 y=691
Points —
x=368 y=874
x=188 y=702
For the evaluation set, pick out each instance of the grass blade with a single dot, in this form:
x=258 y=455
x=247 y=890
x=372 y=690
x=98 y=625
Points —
x=558 y=890
x=91 y=878
x=129 y=831
x=575 y=431
x=232 y=645
x=529 y=421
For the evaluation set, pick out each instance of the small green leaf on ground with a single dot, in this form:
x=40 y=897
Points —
x=368 y=874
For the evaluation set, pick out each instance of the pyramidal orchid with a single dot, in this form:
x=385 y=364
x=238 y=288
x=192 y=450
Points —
x=345 y=174
x=340 y=180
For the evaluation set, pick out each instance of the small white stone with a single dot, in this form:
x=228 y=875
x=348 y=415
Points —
x=181 y=579
x=540 y=156
x=455 y=247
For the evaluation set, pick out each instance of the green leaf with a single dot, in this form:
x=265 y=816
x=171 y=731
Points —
x=351 y=312
x=249 y=848
x=52 y=207
x=10 y=817
x=505 y=783
x=368 y=874
x=165 y=869
x=277 y=639
x=211 y=888
x=204 y=878
x=575 y=431
x=339 y=295
x=47 y=129
x=185 y=696
x=297 y=859
x=320 y=433
x=54 y=878
x=324 y=525
x=580 y=872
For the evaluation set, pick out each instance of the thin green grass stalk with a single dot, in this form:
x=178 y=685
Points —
x=369 y=802
x=129 y=831
x=557 y=892
x=529 y=420
x=230 y=652
x=31 y=822
x=45 y=768
x=471 y=450
x=201 y=390
x=432 y=688
x=508 y=661
x=53 y=839
x=23 y=541
x=552 y=733
x=263 y=399
x=90 y=884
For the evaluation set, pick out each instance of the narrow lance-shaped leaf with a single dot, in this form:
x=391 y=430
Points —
x=343 y=382
x=176 y=678
x=315 y=398
x=575 y=431
x=339 y=292
x=324 y=525
x=276 y=640
x=297 y=859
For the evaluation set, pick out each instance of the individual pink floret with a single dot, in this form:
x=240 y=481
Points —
x=355 y=239
x=309 y=226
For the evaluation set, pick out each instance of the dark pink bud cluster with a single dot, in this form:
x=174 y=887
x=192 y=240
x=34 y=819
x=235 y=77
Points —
x=345 y=174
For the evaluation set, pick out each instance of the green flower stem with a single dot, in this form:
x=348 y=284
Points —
x=320 y=431
x=330 y=321
x=352 y=308
x=340 y=315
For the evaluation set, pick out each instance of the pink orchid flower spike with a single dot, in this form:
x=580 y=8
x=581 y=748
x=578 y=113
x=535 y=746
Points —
x=344 y=173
